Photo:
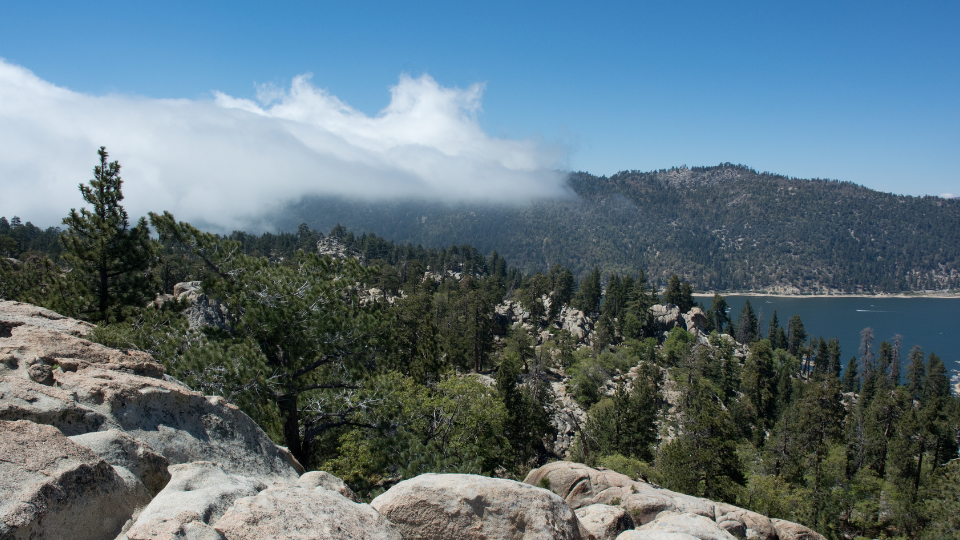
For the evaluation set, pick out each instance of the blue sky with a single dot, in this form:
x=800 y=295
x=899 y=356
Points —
x=858 y=91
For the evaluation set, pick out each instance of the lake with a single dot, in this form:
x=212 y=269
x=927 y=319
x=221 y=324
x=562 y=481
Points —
x=932 y=323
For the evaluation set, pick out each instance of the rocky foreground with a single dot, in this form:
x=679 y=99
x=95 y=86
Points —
x=97 y=443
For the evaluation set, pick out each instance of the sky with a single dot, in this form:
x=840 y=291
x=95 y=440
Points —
x=224 y=111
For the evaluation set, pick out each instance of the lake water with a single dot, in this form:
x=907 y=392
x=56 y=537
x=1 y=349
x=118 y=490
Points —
x=932 y=323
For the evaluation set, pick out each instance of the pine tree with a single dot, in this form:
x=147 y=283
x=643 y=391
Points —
x=823 y=357
x=306 y=324
x=772 y=333
x=851 y=382
x=746 y=324
x=833 y=357
x=915 y=372
x=527 y=423
x=867 y=364
x=759 y=386
x=685 y=300
x=781 y=338
x=625 y=424
x=718 y=313
x=796 y=335
x=415 y=347
x=702 y=460
x=671 y=295
x=588 y=297
x=884 y=359
x=562 y=285
x=937 y=382
x=615 y=299
x=895 y=367
x=820 y=423
x=108 y=256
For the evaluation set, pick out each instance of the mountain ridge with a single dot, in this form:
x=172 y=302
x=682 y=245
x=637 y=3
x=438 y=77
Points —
x=726 y=227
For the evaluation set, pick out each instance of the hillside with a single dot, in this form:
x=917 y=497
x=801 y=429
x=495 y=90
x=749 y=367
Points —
x=89 y=430
x=727 y=227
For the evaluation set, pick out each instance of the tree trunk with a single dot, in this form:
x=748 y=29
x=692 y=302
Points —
x=104 y=297
x=882 y=468
x=916 y=479
x=291 y=426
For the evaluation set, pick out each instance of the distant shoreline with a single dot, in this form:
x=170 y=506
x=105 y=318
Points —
x=948 y=295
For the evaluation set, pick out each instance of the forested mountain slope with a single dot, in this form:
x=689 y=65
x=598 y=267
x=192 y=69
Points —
x=726 y=227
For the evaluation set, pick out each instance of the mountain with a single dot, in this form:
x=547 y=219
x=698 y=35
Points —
x=727 y=227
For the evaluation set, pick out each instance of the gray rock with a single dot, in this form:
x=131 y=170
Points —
x=51 y=487
x=735 y=528
x=197 y=495
x=666 y=316
x=692 y=505
x=695 y=320
x=186 y=288
x=24 y=399
x=87 y=387
x=323 y=479
x=603 y=521
x=566 y=416
x=464 y=506
x=13 y=314
x=755 y=525
x=121 y=450
x=693 y=524
x=579 y=485
x=181 y=425
x=204 y=311
x=646 y=505
x=336 y=249
x=787 y=530
x=298 y=512
x=201 y=310
x=654 y=535
x=576 y=322
x=26 y=346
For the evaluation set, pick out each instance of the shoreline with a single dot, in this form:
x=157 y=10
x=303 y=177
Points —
x=946 y=295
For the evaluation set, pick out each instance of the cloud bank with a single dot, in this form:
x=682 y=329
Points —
x=228 y=162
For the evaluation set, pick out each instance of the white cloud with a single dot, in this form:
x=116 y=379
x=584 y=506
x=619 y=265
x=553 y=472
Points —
x=948 y=196
x=226 y=162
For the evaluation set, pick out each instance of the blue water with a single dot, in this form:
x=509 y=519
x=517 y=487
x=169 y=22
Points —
x=932 y=323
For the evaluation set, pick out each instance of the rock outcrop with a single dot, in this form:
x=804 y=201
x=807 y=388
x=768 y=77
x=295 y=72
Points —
x=197 y=496
x=121 y=450
x=695 y=525
x=125 y=421
x=603 y=521
x=51 y=487
x=654 y=535
x=335 y=248
x=78 y=387
x=570 y=319
x=296 y=512
x=576 y=322
x=695 y=321
x=787 y=530
x=658 y=510
x=668 y=316
x=325 y=480
x=470 y=507
x=201 y=309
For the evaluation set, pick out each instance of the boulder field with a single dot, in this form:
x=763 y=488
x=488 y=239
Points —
x=98 y=443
